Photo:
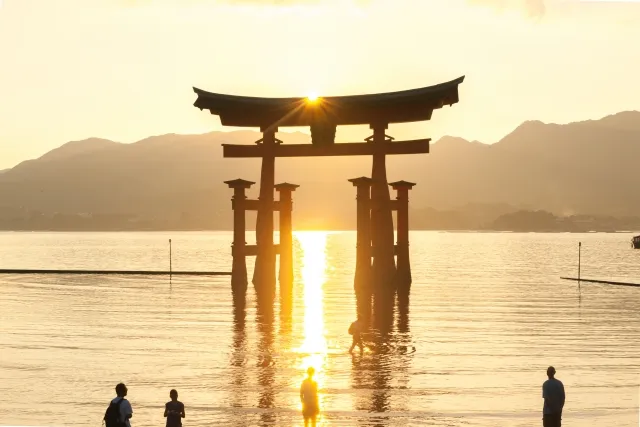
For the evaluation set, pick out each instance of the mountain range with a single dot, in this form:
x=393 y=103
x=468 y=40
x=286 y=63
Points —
x=176 y=181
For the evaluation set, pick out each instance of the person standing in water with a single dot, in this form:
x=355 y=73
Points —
x=309 y=398
x=119 y=412
x=174 y=410
x=356 y=330
x=553 y=395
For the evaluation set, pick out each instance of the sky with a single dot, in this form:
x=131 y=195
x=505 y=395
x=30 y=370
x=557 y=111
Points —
x=124 y=69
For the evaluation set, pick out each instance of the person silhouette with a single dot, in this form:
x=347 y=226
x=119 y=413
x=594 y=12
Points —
x=174 y=410
x=119 y=412
x=356 y=330
x=553 y=395
x=309 y=398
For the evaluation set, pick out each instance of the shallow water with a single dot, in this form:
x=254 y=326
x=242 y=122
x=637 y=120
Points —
x=487 y=315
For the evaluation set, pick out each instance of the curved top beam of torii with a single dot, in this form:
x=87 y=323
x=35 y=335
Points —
x=383 y=108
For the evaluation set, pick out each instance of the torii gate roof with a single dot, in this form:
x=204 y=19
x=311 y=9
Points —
x=391 y=107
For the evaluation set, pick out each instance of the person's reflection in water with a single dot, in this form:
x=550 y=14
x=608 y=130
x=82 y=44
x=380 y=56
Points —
x=309 y=398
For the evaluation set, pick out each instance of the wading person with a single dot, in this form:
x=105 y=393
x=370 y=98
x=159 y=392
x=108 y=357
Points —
x=356 y=333
x=309 y=398
x=174 y=410
x=119 y=411
x=553 y=395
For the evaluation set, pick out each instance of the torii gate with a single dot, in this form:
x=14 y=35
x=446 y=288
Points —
x=323 y=116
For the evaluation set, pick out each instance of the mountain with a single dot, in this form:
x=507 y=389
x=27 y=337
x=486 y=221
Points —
x=583 y=167
x=176 y=181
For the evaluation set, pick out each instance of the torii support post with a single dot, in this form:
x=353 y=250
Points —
x=285 y=274
x=403 y=275
x=238 y=250
x=264 y=275
x=384 y=266
x=362 y=279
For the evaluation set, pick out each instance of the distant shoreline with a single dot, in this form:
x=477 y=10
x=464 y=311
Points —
x=192 y=230
x=468 y=220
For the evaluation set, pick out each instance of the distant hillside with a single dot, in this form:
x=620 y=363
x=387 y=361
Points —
x=177 y=180
x=584 y=167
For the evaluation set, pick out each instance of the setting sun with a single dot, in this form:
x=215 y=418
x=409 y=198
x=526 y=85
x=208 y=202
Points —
x=312 y=97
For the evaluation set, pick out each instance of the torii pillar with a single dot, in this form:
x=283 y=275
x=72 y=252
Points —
x=238 y=249
x=384 y=265
x=285 y=275
x=362 y=280
x=403 y=275
x=264 y=274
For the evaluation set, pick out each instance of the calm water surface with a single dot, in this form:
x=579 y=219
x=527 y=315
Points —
x=487 y=315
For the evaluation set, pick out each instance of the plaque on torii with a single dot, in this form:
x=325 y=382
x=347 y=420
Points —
x=322 y=116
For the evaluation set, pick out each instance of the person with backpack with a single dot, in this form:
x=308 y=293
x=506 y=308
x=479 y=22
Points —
x=174 y=410
x=119 y=411
x=355 y=330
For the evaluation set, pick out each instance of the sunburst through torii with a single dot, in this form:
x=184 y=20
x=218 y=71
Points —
x=376 y=272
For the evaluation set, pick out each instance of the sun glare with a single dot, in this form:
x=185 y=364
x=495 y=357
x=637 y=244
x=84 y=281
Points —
x=312 y=97
x=314 y=264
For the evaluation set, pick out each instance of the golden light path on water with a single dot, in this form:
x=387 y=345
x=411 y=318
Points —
x=314 y=264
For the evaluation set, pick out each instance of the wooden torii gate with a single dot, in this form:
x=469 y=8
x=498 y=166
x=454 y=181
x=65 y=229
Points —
x=323 y=116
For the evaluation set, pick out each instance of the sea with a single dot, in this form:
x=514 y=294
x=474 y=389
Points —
x=488 y=313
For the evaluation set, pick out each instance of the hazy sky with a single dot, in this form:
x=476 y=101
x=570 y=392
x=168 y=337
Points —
x=123 y=69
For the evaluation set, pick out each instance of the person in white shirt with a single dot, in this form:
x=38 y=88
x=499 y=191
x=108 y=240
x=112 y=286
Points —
x=126 y=412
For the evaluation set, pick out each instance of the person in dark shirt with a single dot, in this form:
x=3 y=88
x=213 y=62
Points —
x=553 y=395
x=174 y=410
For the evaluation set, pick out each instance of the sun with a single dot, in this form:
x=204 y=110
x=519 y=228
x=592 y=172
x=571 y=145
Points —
x=312 y=97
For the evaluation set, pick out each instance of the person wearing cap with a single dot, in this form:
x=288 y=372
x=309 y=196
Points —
x=309 y=398
x=553 y=395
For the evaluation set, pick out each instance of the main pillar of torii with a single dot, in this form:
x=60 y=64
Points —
x=384 y=267
x=322 y=116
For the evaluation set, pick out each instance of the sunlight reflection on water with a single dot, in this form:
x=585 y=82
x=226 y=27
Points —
x=313 y=267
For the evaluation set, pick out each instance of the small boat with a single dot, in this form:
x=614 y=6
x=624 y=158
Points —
x=635 y=242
